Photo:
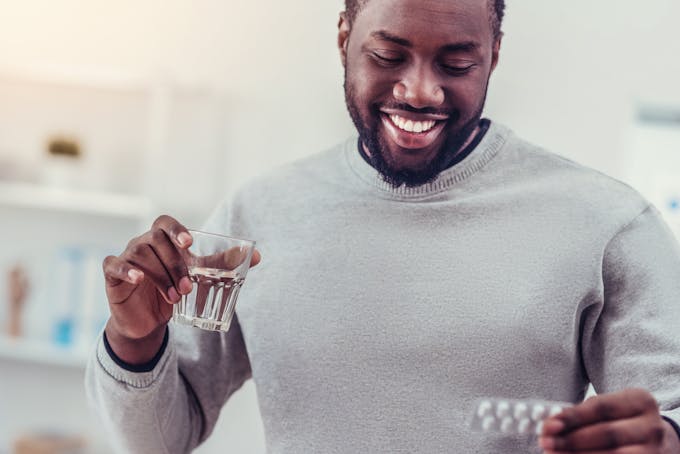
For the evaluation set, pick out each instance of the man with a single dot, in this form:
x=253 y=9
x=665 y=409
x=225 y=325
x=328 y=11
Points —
x=435 y=260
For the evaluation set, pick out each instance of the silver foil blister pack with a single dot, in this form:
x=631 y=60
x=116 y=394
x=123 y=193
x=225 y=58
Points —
x=513 y=416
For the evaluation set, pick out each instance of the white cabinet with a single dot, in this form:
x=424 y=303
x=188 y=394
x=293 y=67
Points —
x=59 y=199
x=51 y=232
x=41 y=372
x=143 y=141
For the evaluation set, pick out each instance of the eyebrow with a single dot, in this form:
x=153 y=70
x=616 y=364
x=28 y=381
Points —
x=465 y=46
x=385 y=36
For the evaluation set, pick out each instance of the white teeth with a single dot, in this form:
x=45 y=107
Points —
x=412 y=126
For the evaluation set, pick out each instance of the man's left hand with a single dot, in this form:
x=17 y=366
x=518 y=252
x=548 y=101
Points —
x=626 y=422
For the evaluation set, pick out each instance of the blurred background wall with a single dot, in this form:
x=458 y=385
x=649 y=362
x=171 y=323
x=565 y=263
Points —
x=171 y=104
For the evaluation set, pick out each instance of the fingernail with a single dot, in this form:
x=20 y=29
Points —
x=185 y=286
x=173 y=295
x=183 y=239
x=546 y=442
x=135 y=275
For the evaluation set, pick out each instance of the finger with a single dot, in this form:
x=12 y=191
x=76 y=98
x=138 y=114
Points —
x=235 y=257
x=143 y=257
x=609 y=435
x=225 y=260
x=171 y=259
x=176 y=232
x=121 y=278
x=604 y=407
x=256 y=258
x=633 y=449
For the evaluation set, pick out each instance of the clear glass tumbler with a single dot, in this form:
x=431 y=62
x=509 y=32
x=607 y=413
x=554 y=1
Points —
x=217 y=266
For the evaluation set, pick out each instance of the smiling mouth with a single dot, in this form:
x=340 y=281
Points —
x=411 y=131
x=412 y=125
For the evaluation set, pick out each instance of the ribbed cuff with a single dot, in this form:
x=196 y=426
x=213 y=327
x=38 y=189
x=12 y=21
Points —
x=146 y=367
x=673 y=423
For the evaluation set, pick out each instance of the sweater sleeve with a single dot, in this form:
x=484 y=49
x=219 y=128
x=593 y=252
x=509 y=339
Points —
x=175 y=406
x=634 y=340
x=172 y=406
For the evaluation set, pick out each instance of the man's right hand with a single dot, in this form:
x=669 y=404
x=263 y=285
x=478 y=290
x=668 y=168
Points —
x=142 y=284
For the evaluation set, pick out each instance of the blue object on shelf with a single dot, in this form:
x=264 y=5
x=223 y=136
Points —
x=67 y=294
x=63 y=332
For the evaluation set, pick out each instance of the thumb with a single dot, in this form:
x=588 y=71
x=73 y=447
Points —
x=256 y=258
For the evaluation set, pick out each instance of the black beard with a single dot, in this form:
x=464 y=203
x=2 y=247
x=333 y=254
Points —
x=410 y=178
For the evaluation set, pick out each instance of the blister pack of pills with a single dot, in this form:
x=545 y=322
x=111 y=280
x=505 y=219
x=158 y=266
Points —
x=511 y=416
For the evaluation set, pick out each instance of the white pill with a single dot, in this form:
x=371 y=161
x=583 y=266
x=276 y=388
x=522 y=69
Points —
x=539 y=428
x=538 y=412
x=521 y=410
x=506 y=425
x=487 y=423
x=524 y=425
x=555 y=410
x=503 y=409
x=484 y=409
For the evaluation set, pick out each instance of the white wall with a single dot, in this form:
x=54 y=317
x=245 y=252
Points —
x=569 y=76
x=571 y=72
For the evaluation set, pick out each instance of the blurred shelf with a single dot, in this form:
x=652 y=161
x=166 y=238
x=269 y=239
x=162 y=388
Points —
x=99 y=78
x=27 y=195
x=93 y=78
x=42 y=353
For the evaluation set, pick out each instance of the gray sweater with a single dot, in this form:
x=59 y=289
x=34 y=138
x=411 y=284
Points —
x=378 y=315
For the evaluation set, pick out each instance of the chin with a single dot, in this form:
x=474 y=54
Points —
x=405 y=175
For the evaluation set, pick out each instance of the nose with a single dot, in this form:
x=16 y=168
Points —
x=419 y=88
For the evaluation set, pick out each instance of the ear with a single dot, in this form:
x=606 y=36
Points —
x=495 y=53
x=343 y=37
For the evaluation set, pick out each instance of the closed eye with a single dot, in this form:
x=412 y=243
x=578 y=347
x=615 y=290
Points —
x=457 y=70
x=386 y=60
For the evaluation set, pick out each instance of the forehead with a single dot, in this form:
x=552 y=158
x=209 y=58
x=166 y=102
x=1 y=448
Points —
x=428 y=20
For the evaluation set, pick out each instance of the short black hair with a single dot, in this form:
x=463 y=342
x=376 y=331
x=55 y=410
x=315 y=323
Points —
x=496 y=13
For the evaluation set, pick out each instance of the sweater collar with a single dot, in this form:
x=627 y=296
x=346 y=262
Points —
x=486 y=150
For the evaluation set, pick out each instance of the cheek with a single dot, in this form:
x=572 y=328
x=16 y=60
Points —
x=467 y=95
x=371 y=86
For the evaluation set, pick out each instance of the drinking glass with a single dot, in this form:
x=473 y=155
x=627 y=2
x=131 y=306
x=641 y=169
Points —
x=217 y=266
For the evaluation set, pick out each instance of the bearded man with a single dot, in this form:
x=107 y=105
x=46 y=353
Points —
x=433 y=260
